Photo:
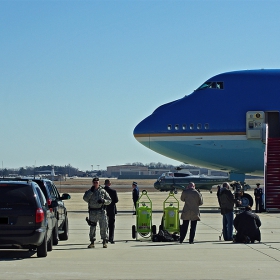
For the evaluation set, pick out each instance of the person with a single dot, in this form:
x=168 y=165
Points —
x=258 y=198
x=111 y=209
x=135 y=195
x=97 y=198
x=226 y=206
x=218 y=194
x=247 y=225
x=193 y=199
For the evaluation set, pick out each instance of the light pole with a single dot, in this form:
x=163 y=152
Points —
x=92 y=170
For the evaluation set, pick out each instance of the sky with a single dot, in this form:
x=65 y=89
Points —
x=76 y=77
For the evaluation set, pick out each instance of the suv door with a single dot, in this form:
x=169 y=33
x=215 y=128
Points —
x=50 y=219
x=61 y=209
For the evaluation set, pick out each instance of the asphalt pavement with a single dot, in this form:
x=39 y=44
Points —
x=128 y=258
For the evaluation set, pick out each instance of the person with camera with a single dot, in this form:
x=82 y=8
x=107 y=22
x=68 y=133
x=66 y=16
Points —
x=97 y=199
x=247 y=225
x=226 y=205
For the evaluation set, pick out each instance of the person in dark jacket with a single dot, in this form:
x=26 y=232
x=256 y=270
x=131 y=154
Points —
x=111 y=209
x=247 y=226
x=218 y=194
x=226 y=205
x=135 y=195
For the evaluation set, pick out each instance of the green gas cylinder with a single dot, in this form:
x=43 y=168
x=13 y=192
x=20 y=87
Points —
x=144 y=216
x=171 y=219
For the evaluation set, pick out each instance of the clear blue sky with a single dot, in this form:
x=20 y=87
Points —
x=76 y=77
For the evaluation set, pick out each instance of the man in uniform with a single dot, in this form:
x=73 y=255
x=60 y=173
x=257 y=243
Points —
x=258 y=198
x=97 y=198
x=111 y=209
x=135 y=195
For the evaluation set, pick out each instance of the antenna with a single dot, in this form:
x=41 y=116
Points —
x=34 y=166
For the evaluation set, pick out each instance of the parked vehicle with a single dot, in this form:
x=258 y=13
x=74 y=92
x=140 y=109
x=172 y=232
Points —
x=61 y=229
x=25 y=217
x=56 y=205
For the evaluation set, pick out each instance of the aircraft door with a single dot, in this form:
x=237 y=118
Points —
x=273 y=121
x=255 y=121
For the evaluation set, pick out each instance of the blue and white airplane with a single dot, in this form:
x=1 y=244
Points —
x=222 y=125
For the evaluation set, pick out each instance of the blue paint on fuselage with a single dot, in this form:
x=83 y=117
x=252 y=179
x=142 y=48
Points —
x=224 y=113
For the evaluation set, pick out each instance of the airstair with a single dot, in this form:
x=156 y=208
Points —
x=272 y=175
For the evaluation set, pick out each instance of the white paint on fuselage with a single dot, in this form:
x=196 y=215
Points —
x=214 y=152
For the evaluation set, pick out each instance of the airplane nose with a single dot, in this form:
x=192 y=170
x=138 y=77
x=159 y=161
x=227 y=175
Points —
x=142 y=133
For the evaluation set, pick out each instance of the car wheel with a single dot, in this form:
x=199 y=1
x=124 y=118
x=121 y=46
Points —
x=64 y=235
x=50 y=244
x=55 y=234
x=42 y=249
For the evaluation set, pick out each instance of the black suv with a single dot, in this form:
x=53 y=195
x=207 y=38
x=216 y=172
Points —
x=61 y=229
x=25 y=217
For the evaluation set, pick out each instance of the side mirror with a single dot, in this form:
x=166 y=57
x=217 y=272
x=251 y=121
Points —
x=65 y=196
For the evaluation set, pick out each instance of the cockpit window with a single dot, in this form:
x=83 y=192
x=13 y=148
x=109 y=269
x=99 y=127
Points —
x=217 y=85
x=220 y=85
x=205 y=85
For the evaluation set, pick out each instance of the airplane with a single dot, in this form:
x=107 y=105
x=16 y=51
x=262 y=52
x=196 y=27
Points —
x=172 y=181
x=225 y=124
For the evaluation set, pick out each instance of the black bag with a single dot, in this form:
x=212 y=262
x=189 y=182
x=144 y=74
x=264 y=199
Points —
x=165 y=236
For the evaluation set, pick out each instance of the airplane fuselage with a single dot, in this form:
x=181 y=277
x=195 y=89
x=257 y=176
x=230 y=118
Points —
x=209 y=127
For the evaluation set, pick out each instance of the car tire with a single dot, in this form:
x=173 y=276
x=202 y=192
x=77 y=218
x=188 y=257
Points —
x=55 y=234
x=50 y=244
x=65 y=228
x=42 y=249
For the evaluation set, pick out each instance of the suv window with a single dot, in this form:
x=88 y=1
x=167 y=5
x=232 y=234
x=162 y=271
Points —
x=16 y=195
x=52 y=189
x=41 y=196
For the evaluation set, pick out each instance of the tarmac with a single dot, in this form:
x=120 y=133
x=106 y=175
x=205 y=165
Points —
x=128 y=258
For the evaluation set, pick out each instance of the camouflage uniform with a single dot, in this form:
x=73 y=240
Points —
x=97 y=212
